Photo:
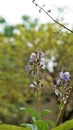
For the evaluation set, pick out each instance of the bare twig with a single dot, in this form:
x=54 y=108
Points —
x=46 y=12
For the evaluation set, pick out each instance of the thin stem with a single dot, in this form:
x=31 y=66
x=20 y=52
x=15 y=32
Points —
x=39 y=107
x=41 y=8
x=61 y=113
x=37 y=89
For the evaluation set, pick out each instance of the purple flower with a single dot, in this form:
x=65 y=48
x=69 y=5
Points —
x=58 y=82
x=65 y=76
x=27 y=68
x=61 y=75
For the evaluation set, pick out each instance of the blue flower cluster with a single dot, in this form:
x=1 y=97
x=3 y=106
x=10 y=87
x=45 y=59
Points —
x=62 y=87
x=65 y=76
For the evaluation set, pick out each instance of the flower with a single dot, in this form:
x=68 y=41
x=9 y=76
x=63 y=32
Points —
x=42 y=63
x=58 y=82
x=61 y=75
x=62 y=88
x=32 y=57
x=27 y=68
x=65 y=76
x=57 y=92
x=31 y=85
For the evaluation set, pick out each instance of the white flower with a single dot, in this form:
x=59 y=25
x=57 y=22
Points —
x=31 y=85
x=42 y=63
x=32 y=57
x=67 y=74
x=57 y=92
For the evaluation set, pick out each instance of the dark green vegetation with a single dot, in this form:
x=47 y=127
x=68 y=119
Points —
x=16 y=44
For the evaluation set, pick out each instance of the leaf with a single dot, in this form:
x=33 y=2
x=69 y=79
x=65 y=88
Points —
x=12 y=127
x=31 y=126
x=24 y=125
x=45 y=113
x=30 y=111
x=51 y=123
x=65 y=126
x=41 y=125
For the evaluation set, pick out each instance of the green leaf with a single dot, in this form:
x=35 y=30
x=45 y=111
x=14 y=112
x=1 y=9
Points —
x=31 y=126
x=12 y=127
x=24 y=125
x=41 y=125
x=65 y=126
x=51 y=123
x=45 y=113
x=30 y=111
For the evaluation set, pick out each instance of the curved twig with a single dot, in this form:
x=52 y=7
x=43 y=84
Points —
x=41 y=8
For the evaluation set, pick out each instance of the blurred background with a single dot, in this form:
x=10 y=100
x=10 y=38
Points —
x=23 y=30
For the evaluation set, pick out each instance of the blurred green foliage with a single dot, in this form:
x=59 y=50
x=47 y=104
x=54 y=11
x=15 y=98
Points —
x=68 y=125
x=16 y=44
x=12 y=127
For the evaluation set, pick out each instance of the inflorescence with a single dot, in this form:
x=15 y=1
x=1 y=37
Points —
x=62 y=88
x=37 y=67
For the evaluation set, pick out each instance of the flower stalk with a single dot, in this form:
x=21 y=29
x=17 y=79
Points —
x=38 y=63
x=63 y=92
x=61 y=113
